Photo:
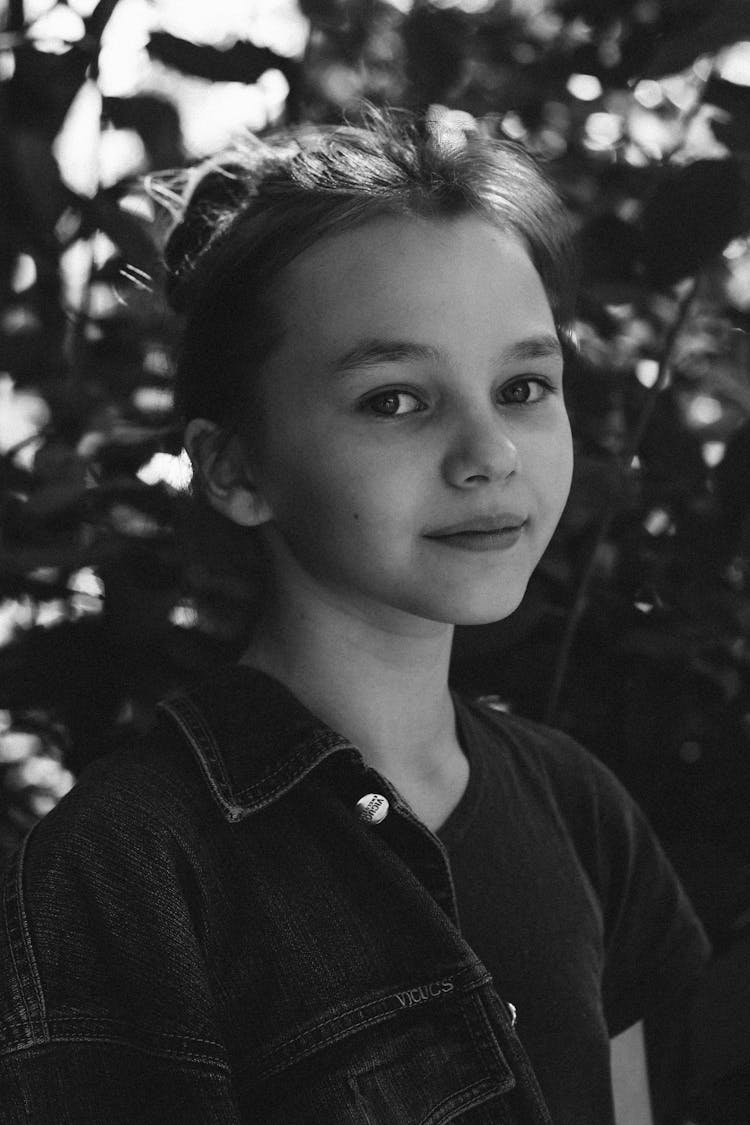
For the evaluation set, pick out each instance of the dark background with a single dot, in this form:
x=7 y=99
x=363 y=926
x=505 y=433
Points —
x=634 y=633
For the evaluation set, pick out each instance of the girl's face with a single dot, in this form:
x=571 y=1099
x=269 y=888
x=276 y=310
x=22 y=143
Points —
x=413 y=446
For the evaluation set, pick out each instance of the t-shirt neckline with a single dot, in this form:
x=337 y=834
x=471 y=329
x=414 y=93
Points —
x=453 y=830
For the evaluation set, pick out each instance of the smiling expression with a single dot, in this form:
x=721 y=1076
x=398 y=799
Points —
x=412 y=442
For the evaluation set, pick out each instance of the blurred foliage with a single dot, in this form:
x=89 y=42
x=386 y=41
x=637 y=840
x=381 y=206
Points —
x=635 y=632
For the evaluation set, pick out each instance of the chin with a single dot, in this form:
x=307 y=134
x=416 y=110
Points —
x=484 y=611
x=479 y=618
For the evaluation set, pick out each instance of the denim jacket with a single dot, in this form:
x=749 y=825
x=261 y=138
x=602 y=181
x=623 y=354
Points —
x=211 y=929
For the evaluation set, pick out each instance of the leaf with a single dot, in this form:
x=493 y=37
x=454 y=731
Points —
x=134 y=503
x=719 y=376
x=99 y=18
x=43 y=86
x=735 y=101
x=134 y=523
x=126 y=231
x=17 y=563
x=36 y=196
x=727 y=95
x=71 y=671
x=732 y=476
x=728 y=23
x=692 y=215
x=157 y=122
x=60 y=484
x=599 y=484
x=244 y=62
x=610 y=249
x=435 y=42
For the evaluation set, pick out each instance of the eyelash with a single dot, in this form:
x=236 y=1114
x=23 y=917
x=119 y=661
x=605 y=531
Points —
x=544 y=385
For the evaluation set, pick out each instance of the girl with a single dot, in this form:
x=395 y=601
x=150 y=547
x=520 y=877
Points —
x=327 y=890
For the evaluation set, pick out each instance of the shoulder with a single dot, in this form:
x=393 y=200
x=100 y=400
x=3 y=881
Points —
x=517 y=733
x=155 y=774
x=120 y=865
x=104 y=904
x=560 y=784
x=132 y=815
x=653 y=941
x=542 y=755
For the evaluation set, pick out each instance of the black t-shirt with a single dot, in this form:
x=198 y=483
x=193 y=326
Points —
x=568 y=899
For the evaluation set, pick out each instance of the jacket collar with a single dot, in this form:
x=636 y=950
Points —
x=252 y=738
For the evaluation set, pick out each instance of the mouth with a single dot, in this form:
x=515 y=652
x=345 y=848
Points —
x=485 y=534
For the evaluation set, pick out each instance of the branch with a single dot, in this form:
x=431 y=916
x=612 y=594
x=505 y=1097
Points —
x=16 y=16
x=581 y=599
x=99 y=18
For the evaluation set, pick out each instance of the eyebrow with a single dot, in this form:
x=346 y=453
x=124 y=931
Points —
x=373 y=353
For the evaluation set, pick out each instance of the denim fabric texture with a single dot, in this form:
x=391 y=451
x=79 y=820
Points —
x=206 y=931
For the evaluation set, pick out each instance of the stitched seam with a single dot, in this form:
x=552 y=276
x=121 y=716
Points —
x=319 y=1044
x=19 y=935
x=478 y=1045
x=289 y=1043
x=28 y=944
x=287 y=1049
x=207 y=743
x=262 y=793
x=114 y=1040
x=341 y=1016
x=320 y=744
x=191 y=723
x=482 y=1046
x=458 y=1099
x=63 y=1019
x=11 y=932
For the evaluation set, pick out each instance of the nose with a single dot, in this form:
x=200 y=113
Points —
x=482 y=450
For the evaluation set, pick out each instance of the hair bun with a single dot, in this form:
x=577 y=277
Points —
x=202 y=201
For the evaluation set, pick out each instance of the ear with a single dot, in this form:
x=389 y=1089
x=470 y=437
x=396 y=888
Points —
x=220 y=464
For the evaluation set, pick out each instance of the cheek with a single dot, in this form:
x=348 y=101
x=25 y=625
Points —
x=342 y=485
x=314 y=499
x=565 y=468
x=552 y=459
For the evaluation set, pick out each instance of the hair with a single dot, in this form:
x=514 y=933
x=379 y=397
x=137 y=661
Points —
x=248 y=214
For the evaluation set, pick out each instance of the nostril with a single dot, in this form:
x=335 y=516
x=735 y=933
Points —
x=480 y=455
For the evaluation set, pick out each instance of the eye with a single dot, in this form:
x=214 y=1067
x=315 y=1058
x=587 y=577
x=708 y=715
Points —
x=524 y=392
x=392 y=404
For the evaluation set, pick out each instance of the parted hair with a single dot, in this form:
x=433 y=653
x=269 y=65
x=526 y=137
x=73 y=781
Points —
x=246 y=215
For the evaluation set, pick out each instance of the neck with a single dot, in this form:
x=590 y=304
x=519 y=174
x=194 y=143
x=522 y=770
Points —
x=384 y=686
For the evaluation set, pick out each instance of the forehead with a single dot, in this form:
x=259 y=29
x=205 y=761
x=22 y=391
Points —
x=448 y=283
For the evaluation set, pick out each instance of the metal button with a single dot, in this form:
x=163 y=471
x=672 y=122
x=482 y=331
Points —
x=373 y=808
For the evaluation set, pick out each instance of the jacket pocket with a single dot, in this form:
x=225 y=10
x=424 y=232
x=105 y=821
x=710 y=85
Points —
x=433 y=1060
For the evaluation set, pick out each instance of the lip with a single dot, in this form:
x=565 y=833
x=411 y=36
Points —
x=483 y=533
x=500 y=521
